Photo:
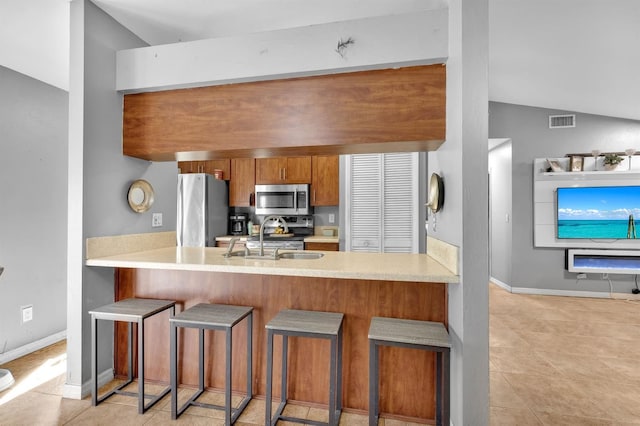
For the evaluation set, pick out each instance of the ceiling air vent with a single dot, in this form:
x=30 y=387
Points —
x=562 y=121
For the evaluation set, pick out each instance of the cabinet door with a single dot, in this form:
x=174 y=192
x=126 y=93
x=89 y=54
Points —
x=242 y=182
x=364 y=202
x=400 y=203
x=297 y=170
x=279 y=170
x=188 y=166
x=238 y=245
x=325 y=180
x=212 y=165
x=322 y=246
x=270 y=170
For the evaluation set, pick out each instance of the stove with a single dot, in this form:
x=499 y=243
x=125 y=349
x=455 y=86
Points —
x=299 y=226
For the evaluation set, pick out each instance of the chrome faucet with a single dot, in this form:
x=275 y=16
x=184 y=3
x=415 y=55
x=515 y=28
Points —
x=266 y=219
x=232 y=243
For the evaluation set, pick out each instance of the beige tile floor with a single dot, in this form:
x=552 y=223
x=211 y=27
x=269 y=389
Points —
x=36 y=399
x=553 y=361
x=563 y=360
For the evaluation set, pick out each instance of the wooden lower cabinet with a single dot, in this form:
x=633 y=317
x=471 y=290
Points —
x=407 y=375
x=322 y=246
x=237 y=245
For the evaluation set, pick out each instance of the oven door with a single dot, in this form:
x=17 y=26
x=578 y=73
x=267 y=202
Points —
x=282 y=199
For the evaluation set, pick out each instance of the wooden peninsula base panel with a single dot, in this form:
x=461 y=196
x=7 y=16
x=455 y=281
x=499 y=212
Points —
x=407 y=376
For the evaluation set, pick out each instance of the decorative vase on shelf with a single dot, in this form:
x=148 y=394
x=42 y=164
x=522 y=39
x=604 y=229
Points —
x=611 y=161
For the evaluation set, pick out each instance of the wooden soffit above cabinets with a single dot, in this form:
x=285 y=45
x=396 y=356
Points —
x=387 y=110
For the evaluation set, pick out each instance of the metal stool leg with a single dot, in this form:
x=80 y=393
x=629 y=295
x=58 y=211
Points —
x=129 y=350
x=250 y=355
x=373 y=383
x=201 y=359
x=173 y=337
x=227 y=386
x=269 y=376
x=333 y=379
x=285 y=363
x=339 y=372
x=140 y=367
x=439 y=388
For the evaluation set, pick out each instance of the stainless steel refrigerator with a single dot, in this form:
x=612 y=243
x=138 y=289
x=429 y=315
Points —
x=203 y=209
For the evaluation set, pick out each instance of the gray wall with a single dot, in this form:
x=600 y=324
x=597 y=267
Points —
x=463 y=220
x=543 y=268
x=96 y=132
x=500 y=211
x=33 y=208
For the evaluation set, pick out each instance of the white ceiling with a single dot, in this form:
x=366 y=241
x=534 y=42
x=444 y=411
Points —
x=576 y=55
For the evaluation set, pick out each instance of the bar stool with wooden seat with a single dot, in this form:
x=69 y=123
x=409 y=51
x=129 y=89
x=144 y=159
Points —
x=205 y=316
x=130 y=311
x=425 y=335
x=323 y=325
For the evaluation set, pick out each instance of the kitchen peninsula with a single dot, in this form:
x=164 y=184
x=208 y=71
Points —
x=360 y=285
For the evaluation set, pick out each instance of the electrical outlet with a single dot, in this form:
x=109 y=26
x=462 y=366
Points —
x=332 y=218
x=605 y=276
x=581 y=276
x=156 y=220
x=27 y=313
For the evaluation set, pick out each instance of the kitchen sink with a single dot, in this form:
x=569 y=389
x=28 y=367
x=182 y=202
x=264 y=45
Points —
x=300 y=255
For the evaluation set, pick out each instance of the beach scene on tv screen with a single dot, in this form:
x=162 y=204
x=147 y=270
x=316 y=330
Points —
x=598 y=212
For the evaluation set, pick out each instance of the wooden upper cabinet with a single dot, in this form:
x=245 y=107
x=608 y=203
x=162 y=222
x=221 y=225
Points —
x=281 y=170
x=212 y=165
x=209 y=167
x=389 y=110
x=268 y=170
x=325 y=180
x=189 y=166
x=242 y=182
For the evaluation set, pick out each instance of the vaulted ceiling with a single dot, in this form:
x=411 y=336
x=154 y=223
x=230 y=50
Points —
x=575 y=55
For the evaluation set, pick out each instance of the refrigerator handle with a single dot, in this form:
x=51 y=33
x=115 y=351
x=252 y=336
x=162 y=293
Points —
x=179 y=214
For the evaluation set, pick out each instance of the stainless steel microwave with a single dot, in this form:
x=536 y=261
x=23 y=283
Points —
x=282 y=199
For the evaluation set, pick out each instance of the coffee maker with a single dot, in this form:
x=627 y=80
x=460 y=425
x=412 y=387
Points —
x=238 y=224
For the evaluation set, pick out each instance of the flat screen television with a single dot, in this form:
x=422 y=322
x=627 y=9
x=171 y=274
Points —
x=598 y=212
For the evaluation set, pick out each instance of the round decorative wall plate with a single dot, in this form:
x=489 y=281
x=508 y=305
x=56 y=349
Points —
x=140 y=196
x=436 y=193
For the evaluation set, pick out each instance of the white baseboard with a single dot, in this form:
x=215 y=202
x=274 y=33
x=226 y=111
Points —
x=32 y=347
x=79 y=392
x=566 y=293
x=500 y=284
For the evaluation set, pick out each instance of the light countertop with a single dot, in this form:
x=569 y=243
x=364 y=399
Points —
x=310 y=239
x=348 y=265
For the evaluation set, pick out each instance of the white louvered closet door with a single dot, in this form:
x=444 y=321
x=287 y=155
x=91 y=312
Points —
x=382 y=203
x=363 y=211
x=400 y=203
